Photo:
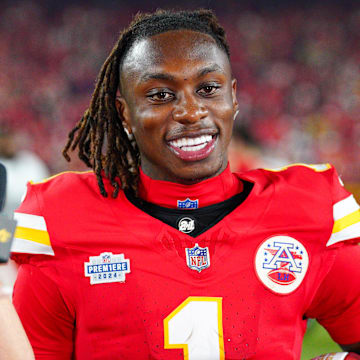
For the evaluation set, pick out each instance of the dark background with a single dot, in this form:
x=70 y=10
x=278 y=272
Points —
x=296 y=62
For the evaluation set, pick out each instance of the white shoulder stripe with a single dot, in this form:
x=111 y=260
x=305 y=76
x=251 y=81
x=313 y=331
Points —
x=30 y=247
x=30 y=221
x=350 y=232
x=345 y=207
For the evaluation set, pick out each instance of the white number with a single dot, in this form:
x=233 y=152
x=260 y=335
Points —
x=196 y=327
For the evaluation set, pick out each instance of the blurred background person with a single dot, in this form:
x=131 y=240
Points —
x=22 y=165
x=14 y=344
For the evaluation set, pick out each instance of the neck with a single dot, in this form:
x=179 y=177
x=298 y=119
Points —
x=202 y=192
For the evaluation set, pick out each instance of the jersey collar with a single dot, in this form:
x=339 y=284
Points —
x=204 y=193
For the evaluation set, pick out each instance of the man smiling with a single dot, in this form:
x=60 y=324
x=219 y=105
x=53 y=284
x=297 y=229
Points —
x=180 y=108
x=185 y=260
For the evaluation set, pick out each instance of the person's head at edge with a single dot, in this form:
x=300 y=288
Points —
x=165 y=98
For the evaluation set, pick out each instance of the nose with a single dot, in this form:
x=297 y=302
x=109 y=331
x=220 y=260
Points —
x=189 y=109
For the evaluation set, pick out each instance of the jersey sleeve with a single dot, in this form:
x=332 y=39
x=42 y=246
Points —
x=31 y=235
x=346 y=212
x=46 y=314
x=47 y=318
x=336 y=304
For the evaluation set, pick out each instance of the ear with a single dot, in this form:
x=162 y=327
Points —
x=235 y=102
x=124 y=112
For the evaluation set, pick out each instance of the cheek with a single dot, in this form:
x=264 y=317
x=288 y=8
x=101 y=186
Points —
x=224 y=112
x=144 y=120
x=148 y=127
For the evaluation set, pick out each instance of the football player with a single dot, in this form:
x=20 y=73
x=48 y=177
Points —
x=160 y=252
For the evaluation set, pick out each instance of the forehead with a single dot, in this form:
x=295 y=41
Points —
x=173 y=50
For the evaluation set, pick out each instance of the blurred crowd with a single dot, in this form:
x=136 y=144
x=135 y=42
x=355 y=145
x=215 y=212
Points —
x=297 y=69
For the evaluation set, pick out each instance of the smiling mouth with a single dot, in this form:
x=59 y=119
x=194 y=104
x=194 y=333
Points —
x=193 y=148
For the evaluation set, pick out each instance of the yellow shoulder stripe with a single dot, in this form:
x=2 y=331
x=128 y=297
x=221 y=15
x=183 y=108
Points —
x=56 y=175
x=346 y=221
x=39 y=236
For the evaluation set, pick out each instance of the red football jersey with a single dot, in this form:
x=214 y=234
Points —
x=102 y=279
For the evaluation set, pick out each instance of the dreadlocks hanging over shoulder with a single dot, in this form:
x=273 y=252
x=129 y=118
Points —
x=100 y=136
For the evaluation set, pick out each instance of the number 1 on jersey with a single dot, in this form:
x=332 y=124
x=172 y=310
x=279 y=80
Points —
x=196 y=327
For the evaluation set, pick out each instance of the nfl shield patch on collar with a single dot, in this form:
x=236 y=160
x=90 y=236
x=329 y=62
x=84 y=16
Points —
x=197 y=258
x=107 y=268
x=188 y=204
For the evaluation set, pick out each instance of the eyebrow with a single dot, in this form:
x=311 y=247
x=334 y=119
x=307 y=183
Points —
x=168 y=77
x=156 y=76
x=210 y=69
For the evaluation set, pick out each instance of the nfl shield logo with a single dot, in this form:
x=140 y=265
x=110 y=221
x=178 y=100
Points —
x=197 y=258
x=188 y=204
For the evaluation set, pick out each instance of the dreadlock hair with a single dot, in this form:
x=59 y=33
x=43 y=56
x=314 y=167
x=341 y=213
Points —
x=101 y=126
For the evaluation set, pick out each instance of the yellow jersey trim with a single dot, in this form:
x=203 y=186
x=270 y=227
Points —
x=56 y=175
x=346 y=221
x=38 y=236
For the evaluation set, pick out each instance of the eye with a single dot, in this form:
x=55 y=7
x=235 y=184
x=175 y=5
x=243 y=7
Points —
x=161 y=96
x=207 y=90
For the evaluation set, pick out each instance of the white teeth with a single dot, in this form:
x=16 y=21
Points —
x=191 y=144
x=193 y=148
